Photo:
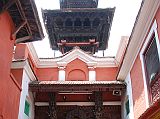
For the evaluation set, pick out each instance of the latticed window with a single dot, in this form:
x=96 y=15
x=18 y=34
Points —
x=27 y=108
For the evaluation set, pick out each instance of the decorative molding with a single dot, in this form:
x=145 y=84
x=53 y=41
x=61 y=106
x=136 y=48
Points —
x=67 y=58
x=78 y=103
x=142 y=25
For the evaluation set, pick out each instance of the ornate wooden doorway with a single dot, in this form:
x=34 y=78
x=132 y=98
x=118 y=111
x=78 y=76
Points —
x=76 y=113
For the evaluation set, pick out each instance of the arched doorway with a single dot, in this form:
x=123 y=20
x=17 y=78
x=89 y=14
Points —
x=76 y=114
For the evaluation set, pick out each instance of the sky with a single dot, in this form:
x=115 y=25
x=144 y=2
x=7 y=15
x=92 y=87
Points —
x=122 y=24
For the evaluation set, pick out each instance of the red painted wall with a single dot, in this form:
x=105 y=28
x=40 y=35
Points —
x=21 y=51
x=9 y=92
x=50 y=74
x=106 y=74
x=137 y=80
x=18 y=73
x=77 y=70
x=138 y=90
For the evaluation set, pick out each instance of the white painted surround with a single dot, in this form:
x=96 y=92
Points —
x=25 y=95
x=128 y=96
x=152 y=30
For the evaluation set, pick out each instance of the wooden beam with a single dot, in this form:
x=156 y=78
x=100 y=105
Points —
x=77 y=44
x=19 y=40
x=19 y=28
x=22 y=13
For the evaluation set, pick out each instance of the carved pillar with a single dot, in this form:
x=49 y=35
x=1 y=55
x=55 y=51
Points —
x=92 y=73
x=98 y=105
x=52 y=106
x=61 y=76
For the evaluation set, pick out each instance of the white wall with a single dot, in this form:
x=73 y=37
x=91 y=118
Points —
x=25 y=95
x=128 y=95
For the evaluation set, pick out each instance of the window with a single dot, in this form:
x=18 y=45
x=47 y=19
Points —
x=77 y=22
x=68 y=23
x=27 y=108
x=151 y=59
x=127 y=107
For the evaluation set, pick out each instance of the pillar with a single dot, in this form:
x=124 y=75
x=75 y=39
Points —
x=92 y=73
x=61 y=76
x=98 y=105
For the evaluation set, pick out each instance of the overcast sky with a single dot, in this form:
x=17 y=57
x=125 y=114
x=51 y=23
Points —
x=123 y=21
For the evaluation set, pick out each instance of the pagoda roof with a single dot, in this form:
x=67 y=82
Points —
x=47 y=86
x=62 y=35
x=26 y=20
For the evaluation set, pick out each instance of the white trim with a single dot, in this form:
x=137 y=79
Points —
x=152 y=30
x=25 y=96
x=121 y=49
x=142 y=26
x=78 y=103
x=130 y=96
x=74 y=54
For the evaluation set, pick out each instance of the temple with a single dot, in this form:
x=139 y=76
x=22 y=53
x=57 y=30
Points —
x=78 y=23
x=78 y=84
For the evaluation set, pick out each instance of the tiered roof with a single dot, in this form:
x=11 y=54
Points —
x=79 y=24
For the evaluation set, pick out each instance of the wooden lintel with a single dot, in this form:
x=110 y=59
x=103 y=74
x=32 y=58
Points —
x=19 y=40
x=19 y=28
x=9 y=4
x=77 y=44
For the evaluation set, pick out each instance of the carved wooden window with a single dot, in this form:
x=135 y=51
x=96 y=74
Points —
x=59 y=22
x=87 y=22
x=78 y=22
x=96 y=22
x=68 y=23
x=151 y=59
